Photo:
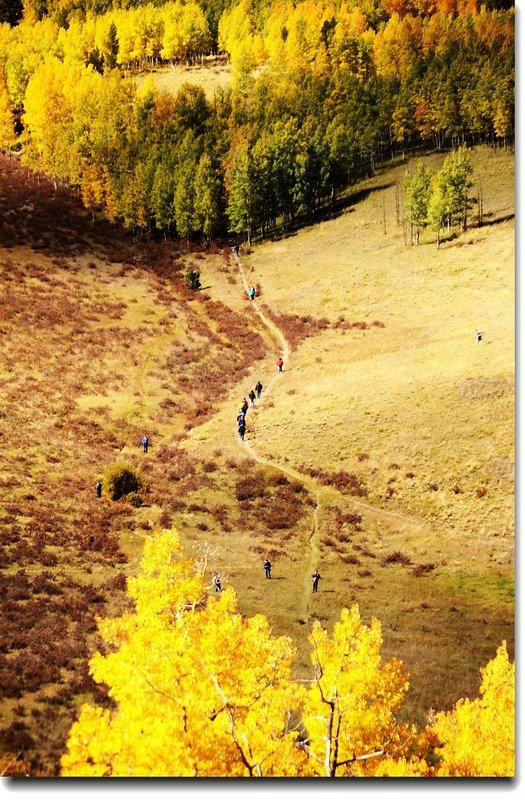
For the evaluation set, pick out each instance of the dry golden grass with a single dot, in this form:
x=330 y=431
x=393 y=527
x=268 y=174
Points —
x=385 y=450
x=213 y=74
x=100 y=343
x=412 y=406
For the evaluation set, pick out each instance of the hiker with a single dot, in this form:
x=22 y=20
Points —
x=242 y=429
x=268 y=568
x=245 y=405
x=315 y=580
x=479 y=335
x=145 y=443
x=236 y=249
x=241 y=417
x=98 y=487
x=217 y=581
x=258 y=389
x=251 y=397
x=280 y=363
x=252 y=293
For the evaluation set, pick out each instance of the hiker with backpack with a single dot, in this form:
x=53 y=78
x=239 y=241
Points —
x=242 y=429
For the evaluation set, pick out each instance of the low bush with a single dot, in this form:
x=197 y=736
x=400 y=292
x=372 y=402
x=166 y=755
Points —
x=135 y=499
x=396 y=558
x=120 y=480
x=423 y=569
x=349 y=559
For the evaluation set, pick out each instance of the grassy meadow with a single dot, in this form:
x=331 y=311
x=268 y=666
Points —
x=383 y=455
x=210 y=73
x=388 y=395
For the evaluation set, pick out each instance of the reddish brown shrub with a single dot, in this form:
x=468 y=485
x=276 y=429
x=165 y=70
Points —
x=349 y=559
x=422 y=569
x=396 y=558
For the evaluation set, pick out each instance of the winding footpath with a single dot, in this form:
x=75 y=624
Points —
x=309 y=483
x=321 y=495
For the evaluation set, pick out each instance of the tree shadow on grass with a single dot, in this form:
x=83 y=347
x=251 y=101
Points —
x=493 y=219
x=343 y=204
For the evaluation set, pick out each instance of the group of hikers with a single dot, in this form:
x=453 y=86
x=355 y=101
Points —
x=253 y=394
x=247 y=403
x=316 y=577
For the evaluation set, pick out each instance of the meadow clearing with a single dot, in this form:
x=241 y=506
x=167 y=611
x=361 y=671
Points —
x=383 y=455
x=388 y=396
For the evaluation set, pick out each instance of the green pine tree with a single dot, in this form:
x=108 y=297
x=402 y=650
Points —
x=207 y=197
x=162 y=196
x=112 y=47
x=240 y=200
x=184 y=201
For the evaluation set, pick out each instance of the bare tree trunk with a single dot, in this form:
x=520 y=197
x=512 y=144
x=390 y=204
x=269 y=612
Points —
x=480 y=204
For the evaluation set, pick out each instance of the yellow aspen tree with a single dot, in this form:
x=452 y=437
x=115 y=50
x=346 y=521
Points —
x=237 y=30
x=7 y=122
x=6 y=40
x=195 y=31
x=198 y=689
x=350 y=27
x=92 y=188
x=349 y=711
x=477 y=738
x=126 y=36
x=48 y=117
x=173 y=36
x=397 y=46
x=276 y=31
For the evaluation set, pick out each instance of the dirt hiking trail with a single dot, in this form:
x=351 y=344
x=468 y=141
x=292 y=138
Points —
x=321 y=495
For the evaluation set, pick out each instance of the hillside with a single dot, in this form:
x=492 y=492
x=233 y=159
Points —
x=388 y=394
x=101 y=343
x=383 y=455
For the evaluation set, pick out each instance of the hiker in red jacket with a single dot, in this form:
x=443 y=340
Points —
x=280 y=363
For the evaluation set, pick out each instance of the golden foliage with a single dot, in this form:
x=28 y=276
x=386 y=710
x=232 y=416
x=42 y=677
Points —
x=477 y=737
x=349 y=711
x=200 y=690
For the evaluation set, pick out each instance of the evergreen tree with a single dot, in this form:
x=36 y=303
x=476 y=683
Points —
x=162 y=197
x=11 y=11
x=112 y=47
x=207 y=197
x=240 y=196
x=184 y=200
